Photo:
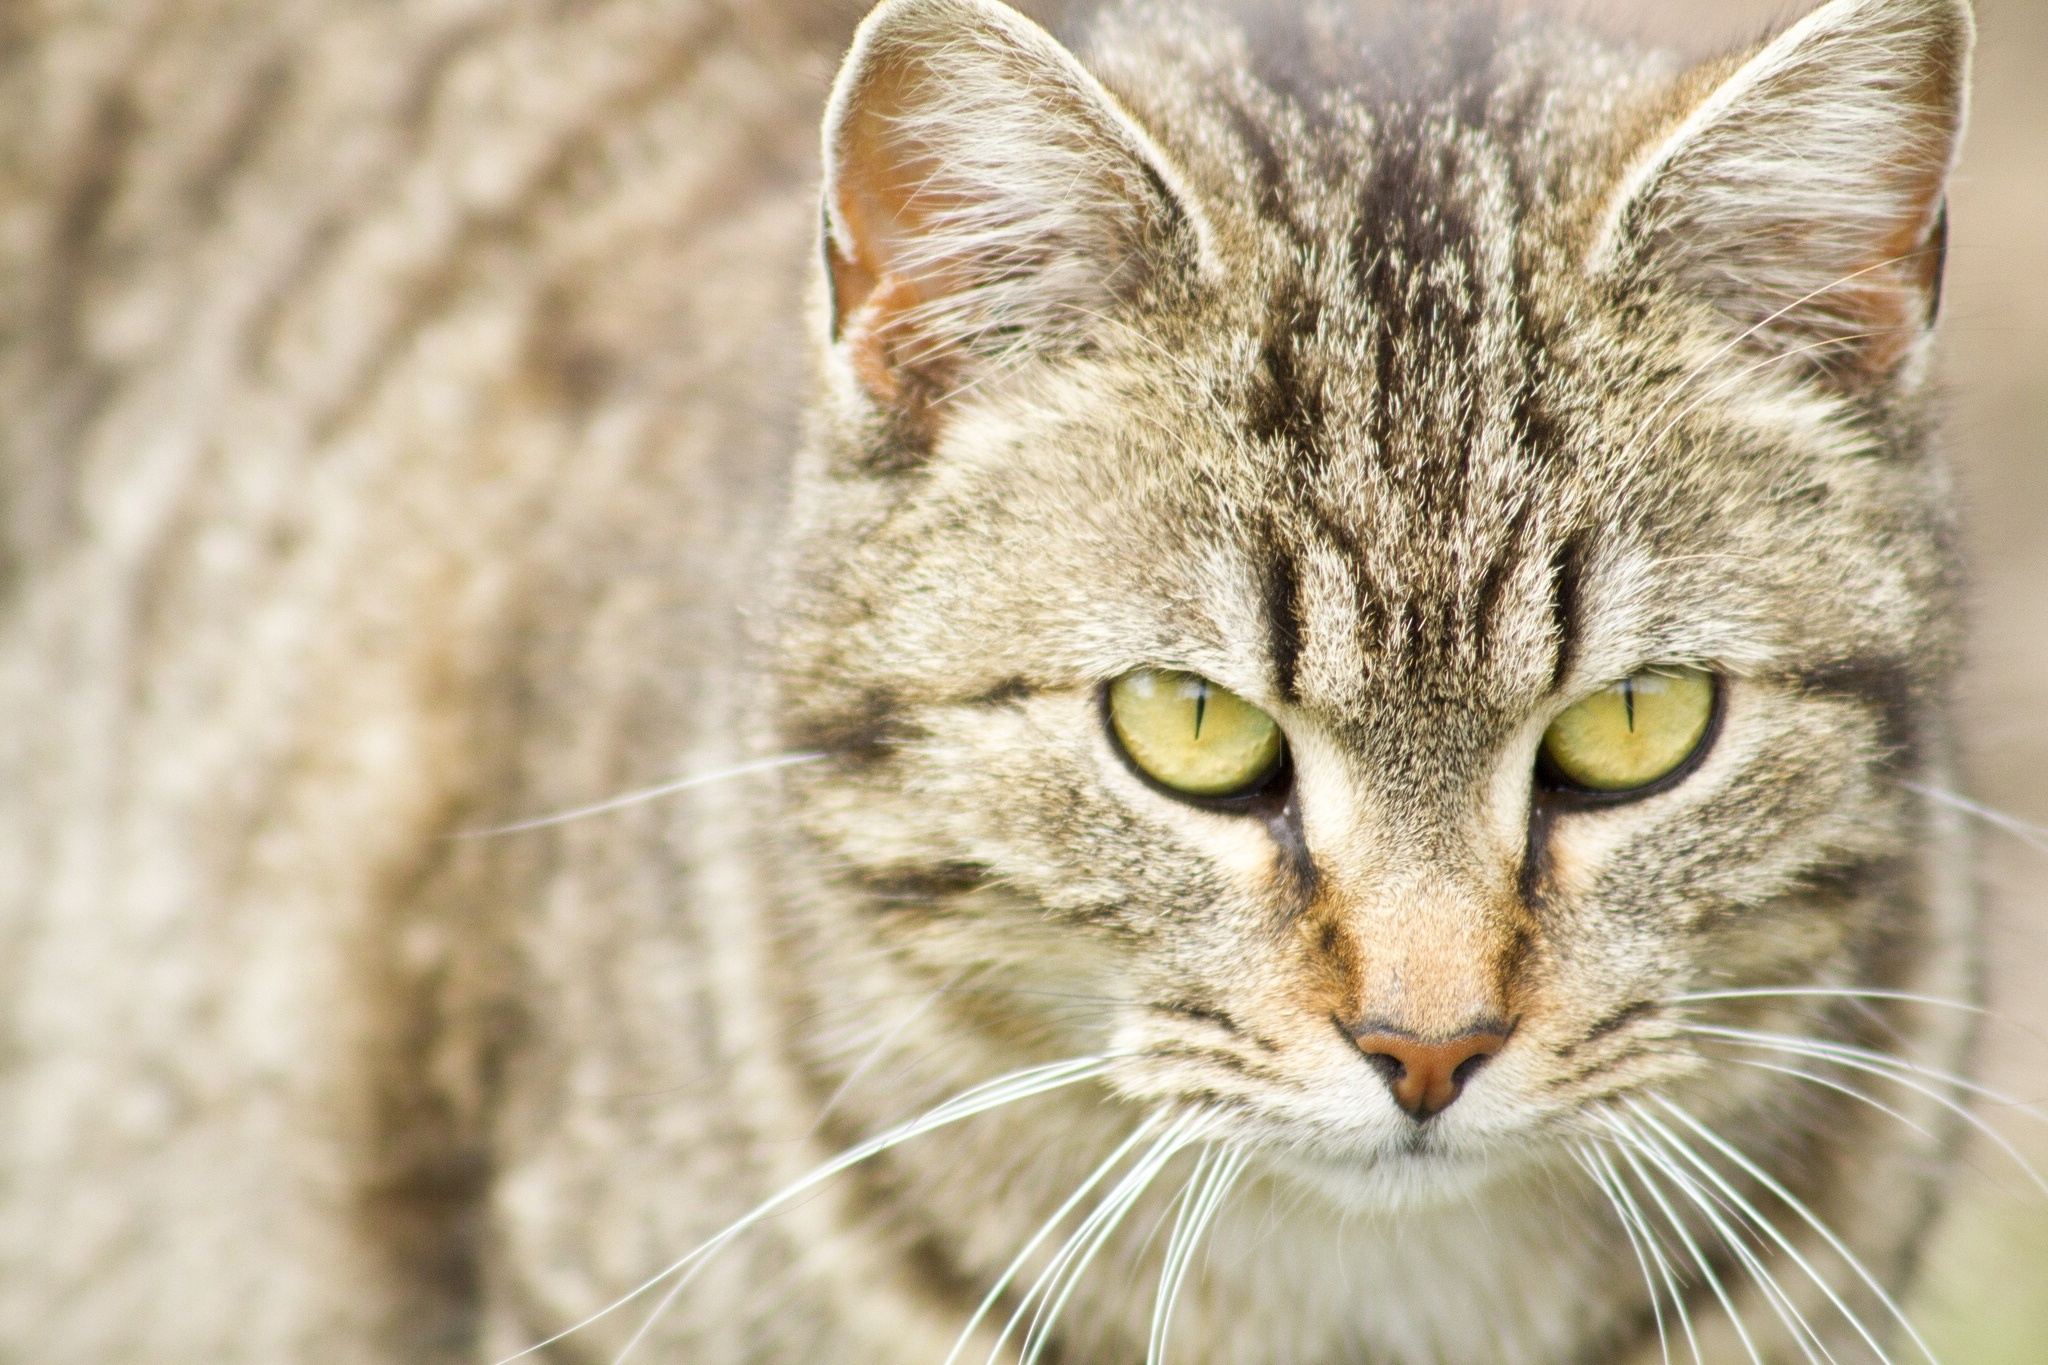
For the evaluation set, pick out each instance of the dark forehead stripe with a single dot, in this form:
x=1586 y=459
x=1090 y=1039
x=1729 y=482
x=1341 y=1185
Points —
x=1282 y=593
x=1400 y=362
x=1286 y=403
x=1567 y=584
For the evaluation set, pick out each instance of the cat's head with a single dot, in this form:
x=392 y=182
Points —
x=1353 y=576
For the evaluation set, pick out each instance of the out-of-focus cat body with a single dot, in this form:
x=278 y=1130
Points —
x=403 y=417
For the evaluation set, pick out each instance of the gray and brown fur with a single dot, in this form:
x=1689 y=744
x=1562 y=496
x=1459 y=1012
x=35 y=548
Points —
x=397 y=446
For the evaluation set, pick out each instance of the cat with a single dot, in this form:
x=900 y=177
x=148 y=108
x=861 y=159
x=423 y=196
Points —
x=1265 y=693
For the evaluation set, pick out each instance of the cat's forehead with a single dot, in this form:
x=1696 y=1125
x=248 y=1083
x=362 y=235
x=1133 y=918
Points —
x=1385 y=340
x=1392 y=447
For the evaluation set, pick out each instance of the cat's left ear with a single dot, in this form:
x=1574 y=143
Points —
x=985 y=199
x=1805 y=194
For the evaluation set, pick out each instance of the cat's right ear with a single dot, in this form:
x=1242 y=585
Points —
x=986 y=200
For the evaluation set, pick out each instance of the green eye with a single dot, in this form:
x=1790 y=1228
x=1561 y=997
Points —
x=1633 y=732
x=1188 y=734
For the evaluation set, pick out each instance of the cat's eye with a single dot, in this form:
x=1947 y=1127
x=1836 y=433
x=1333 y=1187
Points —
x=1191 y=736
x=1631 y=734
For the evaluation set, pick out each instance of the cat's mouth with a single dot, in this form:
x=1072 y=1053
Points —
x=1336 y=1124
x=1404 y=1171
x=1379 y=1124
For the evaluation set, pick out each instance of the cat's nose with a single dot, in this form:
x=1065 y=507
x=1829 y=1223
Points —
x=1426 y=1076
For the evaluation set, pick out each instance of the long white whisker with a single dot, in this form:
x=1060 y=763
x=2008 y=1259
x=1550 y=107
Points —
x=1827 y=1234
x=2034 y=836
x=1008 y=1089
x=1851 y=1091
x=1754 y=1216
x=1631 y=1145
x=1823 y=992
x=1657 y=1251
x=1890 y=1069
x=1745 y=1215
x=1846 y=1052
x=994 y=1094
x=1183 y=1206
x=1747 y=370
x=1109 y=1163
x=1196 y=1215
x=636 y=797
x=1042 y=1327
x=1108 y=1212
x=1059 y=1280
x=1855 y=993
x=1628 y=1226
x=991 y=1095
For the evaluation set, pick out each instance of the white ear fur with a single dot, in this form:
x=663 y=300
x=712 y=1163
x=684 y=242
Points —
x=984 y=195
x=1804 y=196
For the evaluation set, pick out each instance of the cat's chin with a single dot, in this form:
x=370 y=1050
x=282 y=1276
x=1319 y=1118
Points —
x=1396 y=1179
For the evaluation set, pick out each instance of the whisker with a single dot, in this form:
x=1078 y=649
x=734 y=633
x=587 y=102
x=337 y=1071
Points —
x=1861 y=994
x=1851 y=1091
x=1812 y=1220
x=1003 y=1090
x=1828 y=992
x=1774 y=358
x=1056 y=1284
x=1745 y=1217
x=876 y=1051
x=1182 y=1209
x=1658 y=1250
x=634 y=798
x=1848 y=1051
x=1628 y=1226
x=1198 y=1208
x=1109 y=1209
x=993 y=1094
x=1755 y=1218
x=1109 y=1163
x=1888 y=1068
x=1631 y=1145
x=1049 y=1315
x=2034 y=836
x=1759 y=326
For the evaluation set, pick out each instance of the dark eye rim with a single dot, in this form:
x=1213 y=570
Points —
x=1265 y=798
x=1561 y=792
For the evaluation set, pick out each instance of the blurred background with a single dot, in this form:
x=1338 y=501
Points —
x=1984 y=1299
x=1986 y=1295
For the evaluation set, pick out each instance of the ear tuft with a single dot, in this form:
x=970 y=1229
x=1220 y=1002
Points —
x=1804 y=195
x=984 y=198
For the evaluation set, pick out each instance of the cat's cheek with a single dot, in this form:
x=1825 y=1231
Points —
x=1238 y=846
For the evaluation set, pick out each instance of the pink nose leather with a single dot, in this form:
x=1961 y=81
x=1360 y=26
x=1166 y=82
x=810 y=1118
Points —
x=1426 y=1077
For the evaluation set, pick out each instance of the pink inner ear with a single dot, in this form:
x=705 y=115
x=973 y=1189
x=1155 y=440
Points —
x=1906 y=270
x=883 y=203
x=1905 y=264
x=986 y=198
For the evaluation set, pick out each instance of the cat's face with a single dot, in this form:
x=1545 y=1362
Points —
x=1406 y=424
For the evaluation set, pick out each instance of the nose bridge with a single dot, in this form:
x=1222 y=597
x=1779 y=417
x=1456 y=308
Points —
x=1437 y=953
x=1438 y=956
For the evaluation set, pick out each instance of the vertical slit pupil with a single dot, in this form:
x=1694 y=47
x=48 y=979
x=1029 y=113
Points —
x=1628 y=702
x=1201 y=705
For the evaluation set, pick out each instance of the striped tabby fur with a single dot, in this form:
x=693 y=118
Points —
x=423 y=418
